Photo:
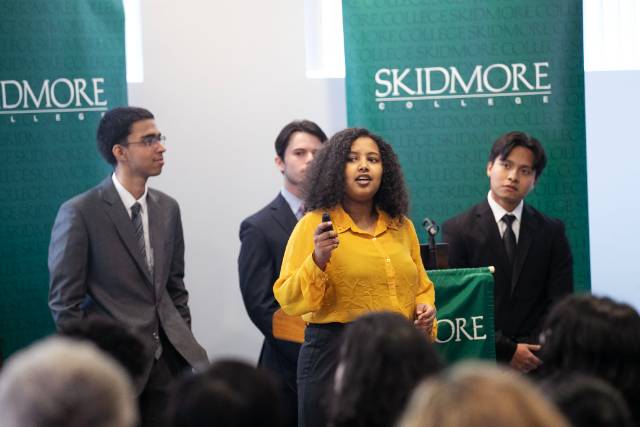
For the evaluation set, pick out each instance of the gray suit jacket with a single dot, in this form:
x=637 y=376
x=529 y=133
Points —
x=96 y=270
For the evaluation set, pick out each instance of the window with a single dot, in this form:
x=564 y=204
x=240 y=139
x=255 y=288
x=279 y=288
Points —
x=324 y=41
x=611 y=36
x=133 y=41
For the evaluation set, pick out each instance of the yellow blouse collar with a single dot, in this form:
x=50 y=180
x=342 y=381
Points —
x=342 y=221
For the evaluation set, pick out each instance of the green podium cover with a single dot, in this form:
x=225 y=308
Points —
x=464 y=300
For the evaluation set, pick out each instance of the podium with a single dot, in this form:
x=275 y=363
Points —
x=287 y=328
x=435 y=256
x=464 y=299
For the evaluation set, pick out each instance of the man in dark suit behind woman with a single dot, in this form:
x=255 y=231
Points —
x=264 y=237
x=529 y=250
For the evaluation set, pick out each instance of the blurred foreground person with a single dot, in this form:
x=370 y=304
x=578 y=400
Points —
x=228 y=394
x=60 y=382
x=480 y=395
x=382 y=358
x=587 y=401
x=596 y=336
x=113 y=338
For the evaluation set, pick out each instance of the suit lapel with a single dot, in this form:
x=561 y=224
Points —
x=525 y=239
x=281 y=213
x=157 y=236
x=489 y=229
x=124 y=227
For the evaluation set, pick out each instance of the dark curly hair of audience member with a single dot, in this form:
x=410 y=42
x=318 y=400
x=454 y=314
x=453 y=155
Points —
x=113 y=338
x=597 y=336
x=229 y=393
x=324 y=186
x=587 y=401
x=382 y=358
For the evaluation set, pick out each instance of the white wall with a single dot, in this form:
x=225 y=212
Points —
x=222 y=78
x=613 y=173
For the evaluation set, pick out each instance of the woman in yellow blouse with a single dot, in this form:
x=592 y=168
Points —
x=366 y=258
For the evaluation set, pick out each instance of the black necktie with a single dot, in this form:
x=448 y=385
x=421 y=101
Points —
x=509 y=237
x=136 y=218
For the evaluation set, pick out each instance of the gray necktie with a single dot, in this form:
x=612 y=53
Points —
x=136 y=218
x=509 y=237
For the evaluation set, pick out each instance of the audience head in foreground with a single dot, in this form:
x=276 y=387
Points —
x=228 y=394
x=59 y=382
x=587 y=401
x=596 y=336
x=480 y=395
x=111 y=337
x=382 y=358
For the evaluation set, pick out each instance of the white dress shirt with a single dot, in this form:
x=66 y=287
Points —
x=499 y=212
x=294 y=202
x=128 y=200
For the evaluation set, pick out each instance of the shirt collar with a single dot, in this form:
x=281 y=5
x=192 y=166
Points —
x=499 y=211
x=342 y=221
x=293 y=201
x=127 y=198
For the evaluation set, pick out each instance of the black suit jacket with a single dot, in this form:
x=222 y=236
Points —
x=542 y=272
x=264 y=236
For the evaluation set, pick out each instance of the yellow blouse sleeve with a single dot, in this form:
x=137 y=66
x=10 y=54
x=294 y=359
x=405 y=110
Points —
x=301 y=285
x=426 y=291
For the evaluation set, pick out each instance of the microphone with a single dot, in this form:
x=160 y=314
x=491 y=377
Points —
x=431 y=227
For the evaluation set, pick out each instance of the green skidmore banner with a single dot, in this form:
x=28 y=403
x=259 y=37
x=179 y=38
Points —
x=62 y=65
x=442 y=80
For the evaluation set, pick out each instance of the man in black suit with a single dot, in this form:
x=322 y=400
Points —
x=117 y=253
x=264 y=237
x=529 y=250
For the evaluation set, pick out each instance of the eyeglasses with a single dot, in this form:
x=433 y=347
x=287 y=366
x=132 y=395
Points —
x=149 y=140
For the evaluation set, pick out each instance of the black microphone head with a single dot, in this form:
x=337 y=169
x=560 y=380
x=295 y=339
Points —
x=430 y=226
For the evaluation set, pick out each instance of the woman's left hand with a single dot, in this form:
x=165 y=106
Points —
x=425 y=316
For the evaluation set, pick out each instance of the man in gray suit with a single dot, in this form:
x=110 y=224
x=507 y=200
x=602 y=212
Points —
x=117 y=252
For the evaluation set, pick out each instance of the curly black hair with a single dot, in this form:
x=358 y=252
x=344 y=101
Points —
x=382 y=358
x=324 y=185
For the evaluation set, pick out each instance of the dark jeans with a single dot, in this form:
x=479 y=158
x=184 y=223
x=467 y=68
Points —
x=316 y=366
x=280 y=358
